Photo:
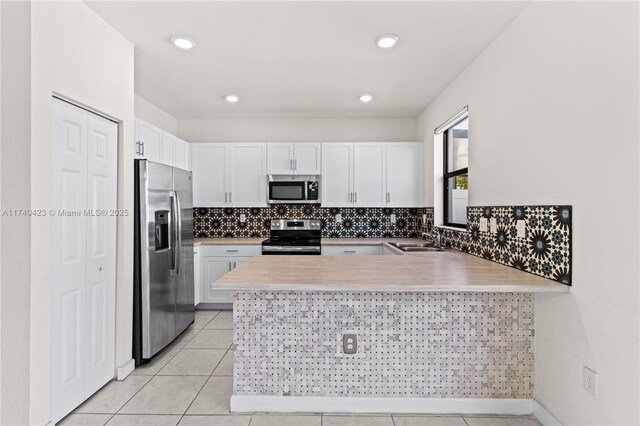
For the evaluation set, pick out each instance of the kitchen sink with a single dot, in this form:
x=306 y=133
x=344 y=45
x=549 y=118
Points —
x=416 y=247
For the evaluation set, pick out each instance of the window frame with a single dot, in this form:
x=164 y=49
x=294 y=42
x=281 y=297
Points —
x=450 y=174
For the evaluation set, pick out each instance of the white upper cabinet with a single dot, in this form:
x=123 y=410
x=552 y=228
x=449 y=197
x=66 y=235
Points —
x=404 y=174
x=168 y=147
x=156 y=145
x=307 y=158
x=148 y=141
x=372 y=174
x=182 y=154
x=280 y=158
x=337 y=175
x=369 y=174
x=294 y=158
x=229 y=175
x=248 y=186
x=210 y=174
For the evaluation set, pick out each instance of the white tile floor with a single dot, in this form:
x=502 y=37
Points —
x=190 y=383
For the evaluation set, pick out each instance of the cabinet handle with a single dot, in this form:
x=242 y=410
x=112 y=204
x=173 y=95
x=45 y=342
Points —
x=225 y=197
x=101 y=268
x=355 y=197
x=295 y=164
x=351 y=197
x=235 y=265
x=230 y=194
x=232 y=251
x=230 y=268
x=291 y=163
x=349 y=251
x=388 y=197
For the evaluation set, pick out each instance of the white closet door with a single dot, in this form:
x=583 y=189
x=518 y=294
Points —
x=69 y=258
x=100 y=296
x=83 y=256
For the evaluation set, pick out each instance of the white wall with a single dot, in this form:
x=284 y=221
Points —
x=298 y=130
x=75 y=53
x=15 y=194
x=554 y=118
x=154 y=115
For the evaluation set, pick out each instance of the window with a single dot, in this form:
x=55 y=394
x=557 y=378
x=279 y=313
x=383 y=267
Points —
x=456 y=174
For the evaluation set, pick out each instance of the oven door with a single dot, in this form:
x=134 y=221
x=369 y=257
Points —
x=287 y=192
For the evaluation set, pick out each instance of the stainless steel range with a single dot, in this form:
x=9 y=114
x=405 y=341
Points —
x=293 y=236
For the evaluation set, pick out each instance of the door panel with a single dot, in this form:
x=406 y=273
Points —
x=279 y=158
x=404 y=174
x=248 y=180
x=337 y=171
x=102 y=163
x=184 y=280
x=369 y=174
x=214 y=268
x=68 y=257
x=210 y=174
x=158 y=287
x=307 y=158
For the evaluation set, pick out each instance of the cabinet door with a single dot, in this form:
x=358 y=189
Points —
x=181 y=154
x=307 y=158
x=280 y=158
x=369 y=174
x=404 y=174
x=214 y=268
x=210 y=174
x=148 y=141
x=237 y=261
x=337 y=173
x=168 y=147
x=248 y=175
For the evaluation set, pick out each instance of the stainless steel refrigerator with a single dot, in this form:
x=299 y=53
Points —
x=163 y=268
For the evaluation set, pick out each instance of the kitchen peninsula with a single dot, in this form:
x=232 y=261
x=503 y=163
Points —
x=436 y=332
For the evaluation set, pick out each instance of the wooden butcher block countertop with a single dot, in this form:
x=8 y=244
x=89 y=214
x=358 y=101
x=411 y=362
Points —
x=447 y=271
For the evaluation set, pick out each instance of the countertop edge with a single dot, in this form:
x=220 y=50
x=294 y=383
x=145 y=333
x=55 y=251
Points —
x=502 y=288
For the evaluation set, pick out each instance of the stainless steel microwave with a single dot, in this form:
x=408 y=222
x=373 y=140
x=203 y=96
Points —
x=293 y=189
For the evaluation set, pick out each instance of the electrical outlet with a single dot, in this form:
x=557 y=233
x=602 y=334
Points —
x=393 y=218
x=243 y=217
x=493 y=225
x=338 y=218
x=349 y=344
x=590 y=380
x=484 y=226
x=521 y=229
x=424 y=219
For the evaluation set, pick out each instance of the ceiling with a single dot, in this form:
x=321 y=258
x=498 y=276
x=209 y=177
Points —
x=302 y=59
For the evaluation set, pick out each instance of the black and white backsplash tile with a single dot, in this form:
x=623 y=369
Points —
x=545 y=250
x=365 y=222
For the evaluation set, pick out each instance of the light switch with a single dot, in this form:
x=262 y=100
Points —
x=393 y=218
x=484 y=227
x=493 y=225
x=521 y=229
x=243 y=217
x=338 y=218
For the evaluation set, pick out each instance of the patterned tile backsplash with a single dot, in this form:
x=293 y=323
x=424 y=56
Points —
x=545 y=250
x=423 y=345
x=356 y=222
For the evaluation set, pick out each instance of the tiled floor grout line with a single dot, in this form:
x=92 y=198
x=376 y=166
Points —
x=205 y=383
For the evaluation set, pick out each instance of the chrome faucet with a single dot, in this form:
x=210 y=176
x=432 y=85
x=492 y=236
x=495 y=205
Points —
x=437 y=240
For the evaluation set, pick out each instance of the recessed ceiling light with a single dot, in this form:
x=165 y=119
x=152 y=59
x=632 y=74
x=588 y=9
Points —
x=387 y=40
x=183 y=42
x=231 y=99
x=366 y=98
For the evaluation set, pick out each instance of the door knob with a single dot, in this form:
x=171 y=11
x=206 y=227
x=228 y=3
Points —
x=101 y=268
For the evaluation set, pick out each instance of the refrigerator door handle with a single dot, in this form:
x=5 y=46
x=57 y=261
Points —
x=175 y=231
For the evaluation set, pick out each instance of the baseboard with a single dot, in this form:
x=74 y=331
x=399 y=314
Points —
x=293 y=404
x=543 y=416
x=126 y=369
x=214 y=306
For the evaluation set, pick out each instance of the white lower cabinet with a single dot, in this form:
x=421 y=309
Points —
x=214 y=262
x=373 y=250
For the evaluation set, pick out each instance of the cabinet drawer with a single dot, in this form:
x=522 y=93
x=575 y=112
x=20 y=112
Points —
x=231 y=250
x=350 y=250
